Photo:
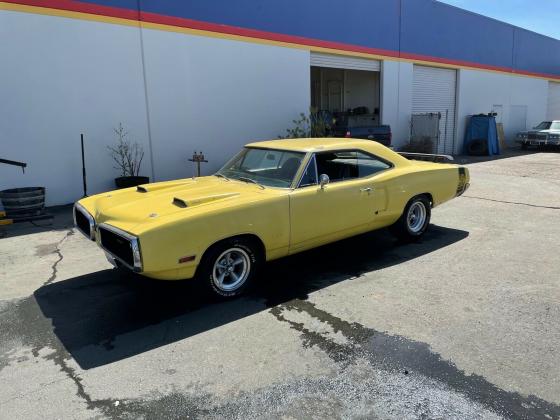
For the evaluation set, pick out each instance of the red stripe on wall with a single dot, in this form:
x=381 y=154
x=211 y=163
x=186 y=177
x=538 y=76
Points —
x=109 y=11
x=254 y=33
x=76 y=6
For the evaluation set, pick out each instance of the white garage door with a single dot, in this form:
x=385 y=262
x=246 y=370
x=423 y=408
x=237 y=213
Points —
x=434 y=91
x=553 y=101
x=342 y=62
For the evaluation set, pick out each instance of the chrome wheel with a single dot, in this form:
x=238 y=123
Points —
x=231 y=269
x=416 y=217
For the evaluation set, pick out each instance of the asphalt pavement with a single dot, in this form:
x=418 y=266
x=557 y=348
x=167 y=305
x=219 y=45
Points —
x=464 y=324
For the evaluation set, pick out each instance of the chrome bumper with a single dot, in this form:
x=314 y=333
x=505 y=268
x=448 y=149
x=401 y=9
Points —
x=534 y=142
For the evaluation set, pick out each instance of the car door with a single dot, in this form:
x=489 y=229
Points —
x=345 y=206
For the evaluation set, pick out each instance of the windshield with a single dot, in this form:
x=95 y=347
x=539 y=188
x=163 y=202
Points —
x=545 y=125
x=268 y=167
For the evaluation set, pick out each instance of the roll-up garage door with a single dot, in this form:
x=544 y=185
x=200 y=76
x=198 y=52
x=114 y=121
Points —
x=553 y=101
x=434 y=92
x=342 y=62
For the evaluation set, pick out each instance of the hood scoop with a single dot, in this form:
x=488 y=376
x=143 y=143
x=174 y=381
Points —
x=158 y=186
x=185 y=202
x=180 y=203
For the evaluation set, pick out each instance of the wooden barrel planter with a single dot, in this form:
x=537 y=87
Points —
x=23 y=202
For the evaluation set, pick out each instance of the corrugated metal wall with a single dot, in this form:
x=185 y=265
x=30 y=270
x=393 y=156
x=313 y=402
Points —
x=341 y=62
x=433 y=91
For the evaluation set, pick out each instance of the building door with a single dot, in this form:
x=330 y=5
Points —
x=517 y=122
x=553 y=101
x=341 y=62
x=499 y=111
x=340 y=84
x=434 y=91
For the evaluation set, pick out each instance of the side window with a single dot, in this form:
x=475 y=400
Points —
x=309 y=177
x=348 y=164
x=339 y=166
x=369 y=165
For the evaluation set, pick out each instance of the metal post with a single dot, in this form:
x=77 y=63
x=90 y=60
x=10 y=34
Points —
x=14 y=163
x=83 y=166
x=198 y=158
x=445 y=135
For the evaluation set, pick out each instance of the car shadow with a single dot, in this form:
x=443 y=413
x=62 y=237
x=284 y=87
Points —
x=110 y=315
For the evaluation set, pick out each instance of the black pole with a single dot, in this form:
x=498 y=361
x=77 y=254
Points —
x=83 y=166
x=15 y=163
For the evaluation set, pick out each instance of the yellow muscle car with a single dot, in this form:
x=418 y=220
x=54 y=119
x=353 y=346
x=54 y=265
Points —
x=273 y=199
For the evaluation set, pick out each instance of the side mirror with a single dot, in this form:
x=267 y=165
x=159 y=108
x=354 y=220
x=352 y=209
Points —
x=323 y=180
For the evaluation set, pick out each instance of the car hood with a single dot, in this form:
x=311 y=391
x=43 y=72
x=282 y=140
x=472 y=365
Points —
x=549 y=131
x=153 y=203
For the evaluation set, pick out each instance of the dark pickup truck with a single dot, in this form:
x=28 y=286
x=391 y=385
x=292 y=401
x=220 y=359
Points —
x=361 y=126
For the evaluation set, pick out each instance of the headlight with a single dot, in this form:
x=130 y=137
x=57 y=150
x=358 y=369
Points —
x=522 y=136
x=554 y=136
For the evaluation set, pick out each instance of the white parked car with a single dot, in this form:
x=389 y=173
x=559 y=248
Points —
x=546 y=133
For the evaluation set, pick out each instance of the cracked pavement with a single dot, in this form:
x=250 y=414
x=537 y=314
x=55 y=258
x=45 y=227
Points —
x=461 y=325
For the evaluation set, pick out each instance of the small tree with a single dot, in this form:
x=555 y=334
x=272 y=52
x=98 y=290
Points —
x=126 y=155
x=316 y=124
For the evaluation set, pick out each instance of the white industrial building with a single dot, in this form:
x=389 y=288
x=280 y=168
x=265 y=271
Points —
x=212 y=76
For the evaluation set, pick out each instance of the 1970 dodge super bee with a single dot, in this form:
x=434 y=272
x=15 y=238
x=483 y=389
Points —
x=273 y=199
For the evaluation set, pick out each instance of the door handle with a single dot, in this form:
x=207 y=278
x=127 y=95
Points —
x=368 y=189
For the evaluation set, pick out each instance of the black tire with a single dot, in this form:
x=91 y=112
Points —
x=524 y=146
x=478 y=147
x=405 y=228
x=228 y=252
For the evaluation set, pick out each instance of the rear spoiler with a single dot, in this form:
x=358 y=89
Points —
x=427 y=156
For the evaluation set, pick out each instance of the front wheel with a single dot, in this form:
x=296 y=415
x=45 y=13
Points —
x=229 y=267
x=415 y=219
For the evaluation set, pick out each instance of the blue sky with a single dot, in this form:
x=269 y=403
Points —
x=542 y=16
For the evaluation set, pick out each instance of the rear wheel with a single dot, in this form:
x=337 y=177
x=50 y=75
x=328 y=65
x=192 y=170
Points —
x=415 y=219
x=229 y=267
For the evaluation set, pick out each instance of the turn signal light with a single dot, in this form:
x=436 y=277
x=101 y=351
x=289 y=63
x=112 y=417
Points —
x=183 y=260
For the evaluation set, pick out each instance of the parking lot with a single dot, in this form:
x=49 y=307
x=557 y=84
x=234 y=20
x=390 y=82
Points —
x=461 y=325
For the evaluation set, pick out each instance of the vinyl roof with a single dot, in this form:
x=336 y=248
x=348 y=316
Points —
x=316 y=144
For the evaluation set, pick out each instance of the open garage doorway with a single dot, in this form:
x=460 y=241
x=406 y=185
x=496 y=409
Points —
x=347 y=90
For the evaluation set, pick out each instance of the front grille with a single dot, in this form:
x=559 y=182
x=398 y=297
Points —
x=535 y=136
x=117 y=245
x=82 y=223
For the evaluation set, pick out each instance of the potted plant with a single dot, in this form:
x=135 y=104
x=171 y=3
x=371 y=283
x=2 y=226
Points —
x=127 y=157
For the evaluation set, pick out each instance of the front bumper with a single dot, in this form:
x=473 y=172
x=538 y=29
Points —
x=540 y=142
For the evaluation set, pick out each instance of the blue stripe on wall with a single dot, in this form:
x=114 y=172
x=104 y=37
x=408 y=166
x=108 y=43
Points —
x=425 y=27
x=365 y=22
x=433 y=28
x=537 y=53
